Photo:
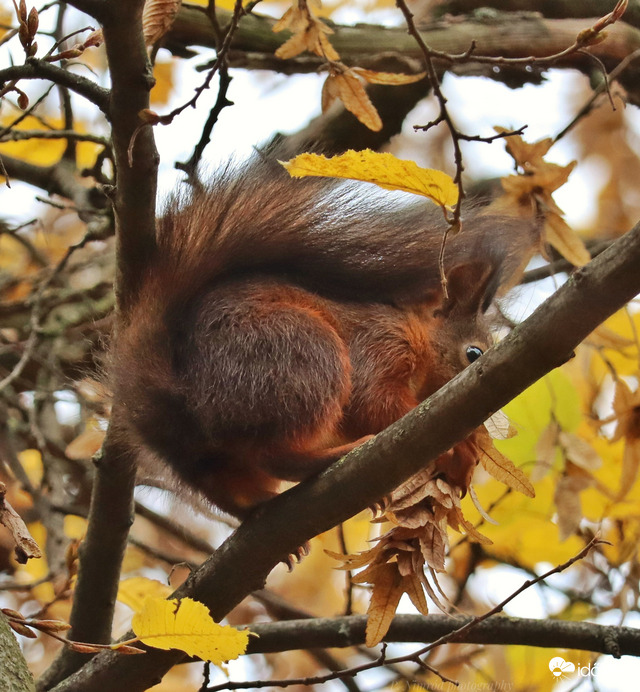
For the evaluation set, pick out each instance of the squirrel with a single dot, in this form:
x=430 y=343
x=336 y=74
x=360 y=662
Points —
x=282 y=322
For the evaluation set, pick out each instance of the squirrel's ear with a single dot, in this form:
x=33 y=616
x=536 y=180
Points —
x=471 y=287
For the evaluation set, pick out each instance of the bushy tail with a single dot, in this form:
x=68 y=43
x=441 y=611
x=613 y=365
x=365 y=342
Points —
x=345 y=241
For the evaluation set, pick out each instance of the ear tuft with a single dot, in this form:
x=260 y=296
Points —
x=471 y=287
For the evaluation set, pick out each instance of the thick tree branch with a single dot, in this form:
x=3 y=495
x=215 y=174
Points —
x=350 y=631
x=503 y=35
x=559 y=9
x=14 y=674
x=136 y=157
x=136 y=161
x=278 y=528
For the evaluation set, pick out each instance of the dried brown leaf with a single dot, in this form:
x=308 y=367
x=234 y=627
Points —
x=357 y=560
x=355 y=99
x=568 y=506
x=330 y=93
x=389 y=78
x=323 y=46
x=499 y=427
x=85 y=445
x=579 y=451
x=526 y=153
x=471 y=530
x=564 y=239
x=294 y=19
x=293 y=46
x=546 y=451
x=480 y=508
x=157 y=18
x=385 y=596
x=504 y=470
x=433 y=544
x=412 y=517
x=412 y=586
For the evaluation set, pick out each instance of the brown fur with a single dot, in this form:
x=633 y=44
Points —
x=283 y=321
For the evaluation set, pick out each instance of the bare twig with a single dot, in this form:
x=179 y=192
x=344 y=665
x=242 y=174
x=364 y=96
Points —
x=604 y=86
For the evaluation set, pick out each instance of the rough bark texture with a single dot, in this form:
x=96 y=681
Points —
x=14 y=674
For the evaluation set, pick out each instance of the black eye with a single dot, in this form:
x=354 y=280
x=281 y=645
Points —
x=473 y=353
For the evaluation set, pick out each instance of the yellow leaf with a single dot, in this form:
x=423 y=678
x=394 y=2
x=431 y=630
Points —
x=31 y=461
x=75 y=527
x=47 y=152
x=630 y=465
x=163 y=73
x=186 y=625
x=384 y=170
x=134 y=592
x=222 y=4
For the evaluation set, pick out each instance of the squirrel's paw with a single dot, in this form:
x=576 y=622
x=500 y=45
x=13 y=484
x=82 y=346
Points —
x=297 y=556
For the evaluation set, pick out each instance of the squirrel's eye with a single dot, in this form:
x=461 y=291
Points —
x=473 y=353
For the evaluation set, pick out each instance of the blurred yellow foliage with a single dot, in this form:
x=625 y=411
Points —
x=46 y=152
x=164 y=73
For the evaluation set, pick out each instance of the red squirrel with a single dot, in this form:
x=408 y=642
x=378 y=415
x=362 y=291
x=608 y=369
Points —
x=282 y=321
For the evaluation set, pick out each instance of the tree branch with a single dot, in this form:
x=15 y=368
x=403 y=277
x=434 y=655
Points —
x=506 y=35
x=39 y=69
x=136 y=161
x=277 y=528
x=136 y=157
x=559 y=9
x=349 y=630
x=59 y=179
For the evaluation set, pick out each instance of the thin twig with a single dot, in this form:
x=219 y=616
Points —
x=604 y=86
